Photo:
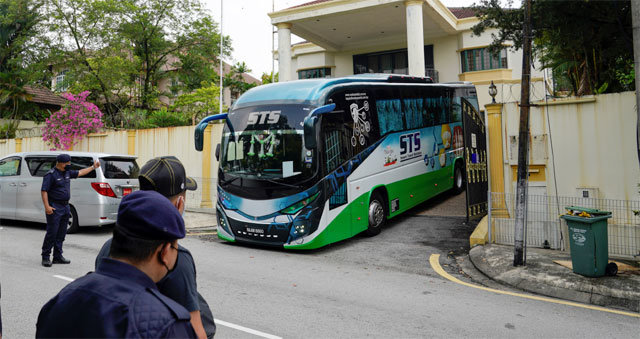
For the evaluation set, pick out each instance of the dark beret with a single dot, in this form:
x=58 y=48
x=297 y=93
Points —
x=63 y=158
x=149 y=215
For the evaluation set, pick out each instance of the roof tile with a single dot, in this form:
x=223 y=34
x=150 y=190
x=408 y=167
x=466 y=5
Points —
x=43 y=95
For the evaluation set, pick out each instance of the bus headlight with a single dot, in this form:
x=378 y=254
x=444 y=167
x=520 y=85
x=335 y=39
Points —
x=293 y=209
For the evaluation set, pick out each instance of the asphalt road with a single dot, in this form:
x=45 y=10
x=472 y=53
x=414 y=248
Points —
x=364 y=287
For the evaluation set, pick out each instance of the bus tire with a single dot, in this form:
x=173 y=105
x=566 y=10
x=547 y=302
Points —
x=458 y=179
x=377 y=215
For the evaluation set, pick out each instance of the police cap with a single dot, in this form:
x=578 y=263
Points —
x=165 y=175
x=63 y=158
x=151 y=216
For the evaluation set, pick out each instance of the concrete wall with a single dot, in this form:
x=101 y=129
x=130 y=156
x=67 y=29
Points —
x=148 y=143
x=594 y=146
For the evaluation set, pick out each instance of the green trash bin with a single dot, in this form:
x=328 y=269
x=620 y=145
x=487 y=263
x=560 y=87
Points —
x=588 y=240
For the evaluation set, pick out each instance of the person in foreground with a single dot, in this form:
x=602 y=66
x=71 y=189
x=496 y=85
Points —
x=120 y=299
x=166 y=175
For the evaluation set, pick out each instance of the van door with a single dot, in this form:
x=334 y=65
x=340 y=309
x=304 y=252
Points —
x=9 y=175
x=29 y=198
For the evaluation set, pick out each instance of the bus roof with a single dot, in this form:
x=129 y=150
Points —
x=314 y=89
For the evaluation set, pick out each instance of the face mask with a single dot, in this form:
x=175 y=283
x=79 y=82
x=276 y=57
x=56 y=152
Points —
x=67 y=167
x=169 y=270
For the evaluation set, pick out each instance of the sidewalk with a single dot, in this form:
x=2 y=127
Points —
x=542 y=276
x=200 y=219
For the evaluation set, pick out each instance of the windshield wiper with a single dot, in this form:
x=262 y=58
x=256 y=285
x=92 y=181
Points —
x=227 y=182
x=281 y=183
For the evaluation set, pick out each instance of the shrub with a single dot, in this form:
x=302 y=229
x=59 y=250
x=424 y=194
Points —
x=72 y=122
x=8 y=131
x=166 y=118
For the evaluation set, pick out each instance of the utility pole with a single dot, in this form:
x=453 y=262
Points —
x=273 y=46
x=523 y=140
x=635 y=20
x=220 y=58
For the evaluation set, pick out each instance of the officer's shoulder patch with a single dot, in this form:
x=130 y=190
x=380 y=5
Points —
x=178 y=310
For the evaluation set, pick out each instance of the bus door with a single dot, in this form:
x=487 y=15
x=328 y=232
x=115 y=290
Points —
x=334 y=154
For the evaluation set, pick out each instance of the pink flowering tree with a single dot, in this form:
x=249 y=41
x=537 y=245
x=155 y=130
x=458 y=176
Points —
x=72 y=122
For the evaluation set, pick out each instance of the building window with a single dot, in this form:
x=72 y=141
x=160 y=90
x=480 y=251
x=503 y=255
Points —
x=396 y=61
x=61 y=85
x=324 y=72
x=480 y=59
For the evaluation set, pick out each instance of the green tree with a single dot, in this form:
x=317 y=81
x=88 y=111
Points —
x=199 y=103
x=20 y=59
x=160 y=29
x=268 y=78
x=94 y=57
x=235 y=81
x=121 y=50
x=587 y=44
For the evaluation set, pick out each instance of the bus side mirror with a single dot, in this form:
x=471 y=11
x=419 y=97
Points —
x=198 y=135
x=310 y=132
x=310 y=122
x=218 y=152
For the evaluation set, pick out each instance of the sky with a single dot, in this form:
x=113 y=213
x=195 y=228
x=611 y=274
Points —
x=250 y=29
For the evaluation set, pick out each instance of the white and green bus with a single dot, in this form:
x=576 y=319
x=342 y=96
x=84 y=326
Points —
x=307 y=163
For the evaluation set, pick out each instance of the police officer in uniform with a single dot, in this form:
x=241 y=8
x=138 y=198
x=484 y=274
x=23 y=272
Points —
x=120 y=299
x=56 y=193
x=167 y=176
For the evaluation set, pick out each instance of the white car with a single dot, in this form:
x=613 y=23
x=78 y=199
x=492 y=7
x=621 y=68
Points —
x=95 y=197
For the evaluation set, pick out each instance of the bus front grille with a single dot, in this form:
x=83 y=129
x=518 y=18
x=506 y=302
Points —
x=275 y=234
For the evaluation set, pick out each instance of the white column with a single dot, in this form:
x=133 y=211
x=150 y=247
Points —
x=284 y=51
x=415 y=37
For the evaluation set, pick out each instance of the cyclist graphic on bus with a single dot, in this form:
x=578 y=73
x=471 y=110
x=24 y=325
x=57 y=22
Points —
x=360 y=123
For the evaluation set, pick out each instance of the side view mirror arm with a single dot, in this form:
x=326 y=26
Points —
x=310 y=140
x=202 y=125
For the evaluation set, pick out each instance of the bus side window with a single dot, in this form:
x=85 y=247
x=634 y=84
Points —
x=389 y=115
x=414 y=113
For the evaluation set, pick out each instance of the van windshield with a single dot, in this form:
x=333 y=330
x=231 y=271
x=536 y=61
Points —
x=119 y=168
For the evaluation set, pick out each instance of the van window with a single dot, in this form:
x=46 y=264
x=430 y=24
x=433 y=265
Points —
x=40 y=165
x=10 y=167
x=119 y=168
x=78 y=163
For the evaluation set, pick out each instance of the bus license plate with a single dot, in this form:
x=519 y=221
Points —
x=126 y=191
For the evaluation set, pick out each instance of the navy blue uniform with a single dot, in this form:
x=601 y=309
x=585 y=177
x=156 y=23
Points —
x=179 y=285
x=57 y=185
x=117 y=301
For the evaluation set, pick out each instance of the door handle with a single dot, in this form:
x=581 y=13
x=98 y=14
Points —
x=13 y=184
x=23 y=184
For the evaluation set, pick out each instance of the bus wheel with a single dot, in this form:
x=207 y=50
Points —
x=458 y=179
x=377 y=215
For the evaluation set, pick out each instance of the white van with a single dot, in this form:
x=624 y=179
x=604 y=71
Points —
x=95 y=197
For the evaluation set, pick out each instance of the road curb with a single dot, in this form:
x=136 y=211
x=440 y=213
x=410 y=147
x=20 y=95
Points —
x=535 y=279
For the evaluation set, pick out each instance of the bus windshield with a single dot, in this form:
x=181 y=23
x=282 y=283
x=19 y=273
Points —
x=267 y=144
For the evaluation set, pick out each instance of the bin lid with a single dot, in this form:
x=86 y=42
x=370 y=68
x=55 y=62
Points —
x=594 y=212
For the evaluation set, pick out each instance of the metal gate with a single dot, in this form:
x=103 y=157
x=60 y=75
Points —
x=475 y=158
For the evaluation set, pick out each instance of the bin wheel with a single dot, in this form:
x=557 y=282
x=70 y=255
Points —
x=612 y=269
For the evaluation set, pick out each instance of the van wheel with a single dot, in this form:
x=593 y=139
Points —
x=458 y=179
x=72 y=225
x=377 y=215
